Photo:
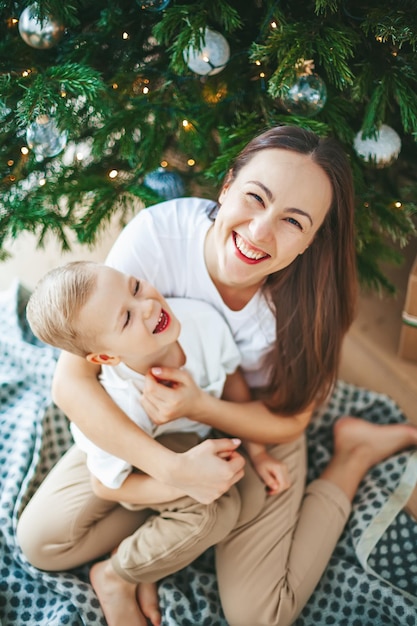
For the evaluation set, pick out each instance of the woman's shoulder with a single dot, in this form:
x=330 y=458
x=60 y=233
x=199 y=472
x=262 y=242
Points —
x=180 y=211
x=156 y=229
x=178 y=208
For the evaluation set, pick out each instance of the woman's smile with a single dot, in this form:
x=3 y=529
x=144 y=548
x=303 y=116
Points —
x=247 y=251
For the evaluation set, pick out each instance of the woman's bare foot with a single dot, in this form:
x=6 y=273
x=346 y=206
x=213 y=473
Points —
x=147 y=597
x=117 y=597
x=359 y=445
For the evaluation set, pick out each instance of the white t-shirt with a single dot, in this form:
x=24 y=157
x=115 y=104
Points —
x=211 y=354
x=164 y=244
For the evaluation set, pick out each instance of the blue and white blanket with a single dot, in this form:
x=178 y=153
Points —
x=370 y=580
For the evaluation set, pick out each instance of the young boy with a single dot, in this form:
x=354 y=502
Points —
x=117 y=320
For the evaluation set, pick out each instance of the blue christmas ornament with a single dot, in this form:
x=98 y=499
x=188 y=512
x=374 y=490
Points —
x=167 y=184
x=153 y=5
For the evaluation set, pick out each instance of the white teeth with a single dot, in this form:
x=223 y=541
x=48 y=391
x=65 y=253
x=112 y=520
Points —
x=248 y=252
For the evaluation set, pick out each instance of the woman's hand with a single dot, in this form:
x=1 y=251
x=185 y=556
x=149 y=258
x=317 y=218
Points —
x=170 y=393
x=206 y=471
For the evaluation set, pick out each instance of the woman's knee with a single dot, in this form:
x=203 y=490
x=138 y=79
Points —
x=279 y=610
x=35 y=543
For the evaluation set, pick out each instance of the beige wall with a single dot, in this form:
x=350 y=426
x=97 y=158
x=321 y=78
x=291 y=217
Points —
x=28 y=262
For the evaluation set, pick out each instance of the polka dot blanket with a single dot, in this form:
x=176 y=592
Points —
x=371 y=579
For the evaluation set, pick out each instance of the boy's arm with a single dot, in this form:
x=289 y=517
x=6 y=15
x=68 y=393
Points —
x=272 y=472
x=137 y=489
x=204 y=472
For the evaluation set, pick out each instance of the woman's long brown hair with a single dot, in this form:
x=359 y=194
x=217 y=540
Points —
x=314 y=298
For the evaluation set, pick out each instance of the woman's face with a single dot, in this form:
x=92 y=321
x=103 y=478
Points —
x=269 y=215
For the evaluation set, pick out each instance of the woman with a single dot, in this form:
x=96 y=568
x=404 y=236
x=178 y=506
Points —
x=278 y=262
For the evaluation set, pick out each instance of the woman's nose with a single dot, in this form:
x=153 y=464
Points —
x=261 y=228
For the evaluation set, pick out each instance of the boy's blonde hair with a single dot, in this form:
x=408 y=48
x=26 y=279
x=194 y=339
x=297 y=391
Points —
x=53 y=307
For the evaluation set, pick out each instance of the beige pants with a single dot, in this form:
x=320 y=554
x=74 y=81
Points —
x=267 y=568
x=155 y=541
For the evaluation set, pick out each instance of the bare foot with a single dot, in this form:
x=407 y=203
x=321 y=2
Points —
x=380 y=441
x=117 y=596
x=147 y=597
x=359 y=445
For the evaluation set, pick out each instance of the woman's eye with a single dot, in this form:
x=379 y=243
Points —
x=136 y=288
x=127 y=320
x=292 y=220
x=256 y=197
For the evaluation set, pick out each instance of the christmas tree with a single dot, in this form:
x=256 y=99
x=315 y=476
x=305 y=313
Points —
x=107 y=105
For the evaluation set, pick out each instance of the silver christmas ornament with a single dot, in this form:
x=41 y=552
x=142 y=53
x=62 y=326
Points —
x=306 y=97
x=382 y=149
x=153 y=5
x=167 y=184
x=37 y=33
x=44 y=137
x=213 y=56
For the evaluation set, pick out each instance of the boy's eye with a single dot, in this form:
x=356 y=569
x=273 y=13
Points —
x=127 y=319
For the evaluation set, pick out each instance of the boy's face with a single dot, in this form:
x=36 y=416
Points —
x=127 y=317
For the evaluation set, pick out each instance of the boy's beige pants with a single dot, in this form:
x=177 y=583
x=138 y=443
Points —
x=271 y=550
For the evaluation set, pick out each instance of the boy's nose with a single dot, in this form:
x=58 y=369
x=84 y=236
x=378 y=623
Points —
x=147 y=307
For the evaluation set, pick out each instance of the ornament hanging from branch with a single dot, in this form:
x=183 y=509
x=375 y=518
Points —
x=39 y=33
x=44 y=137
x=382 y=149
x=153 y=5
x=308 y=95
x=213 y=56
x=167 y=184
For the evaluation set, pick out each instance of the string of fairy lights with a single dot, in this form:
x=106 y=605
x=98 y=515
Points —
x=306 y=97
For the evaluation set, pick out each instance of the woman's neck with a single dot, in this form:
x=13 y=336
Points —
x=235 y=298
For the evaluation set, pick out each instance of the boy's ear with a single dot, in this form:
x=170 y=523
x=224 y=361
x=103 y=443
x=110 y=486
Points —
x=103 y=359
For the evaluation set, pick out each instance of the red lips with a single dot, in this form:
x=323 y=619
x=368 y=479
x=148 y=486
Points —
x=162 y=324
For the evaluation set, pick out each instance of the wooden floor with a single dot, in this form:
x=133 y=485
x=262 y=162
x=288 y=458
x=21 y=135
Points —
x=370 y=356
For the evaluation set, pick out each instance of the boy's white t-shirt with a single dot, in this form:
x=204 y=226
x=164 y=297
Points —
x=164 y=244
x=211 y=354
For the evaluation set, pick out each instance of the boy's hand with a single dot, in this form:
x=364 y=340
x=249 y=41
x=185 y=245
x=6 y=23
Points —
x=274 y=473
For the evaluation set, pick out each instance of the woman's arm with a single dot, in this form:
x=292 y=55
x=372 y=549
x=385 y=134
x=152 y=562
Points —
x=247 y=420
x=137 y=489
x=204 y=472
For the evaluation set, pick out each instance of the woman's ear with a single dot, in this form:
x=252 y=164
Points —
x=225 y=186
x=103 y=359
